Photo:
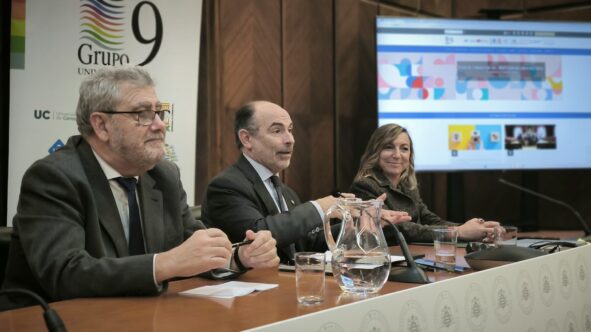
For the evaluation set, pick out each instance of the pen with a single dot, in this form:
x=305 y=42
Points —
x=240 y=244
x=336 y=193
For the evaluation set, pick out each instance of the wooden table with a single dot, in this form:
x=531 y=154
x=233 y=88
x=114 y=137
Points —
x=173 y=312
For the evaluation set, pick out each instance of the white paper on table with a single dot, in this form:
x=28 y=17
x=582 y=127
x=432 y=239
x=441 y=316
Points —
x=393 y=258
x=229 y=289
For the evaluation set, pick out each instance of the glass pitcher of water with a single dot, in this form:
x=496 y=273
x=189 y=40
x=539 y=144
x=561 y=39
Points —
x=360 y=256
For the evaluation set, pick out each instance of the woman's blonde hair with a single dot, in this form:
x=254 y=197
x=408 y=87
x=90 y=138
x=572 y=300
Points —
x=369 y=165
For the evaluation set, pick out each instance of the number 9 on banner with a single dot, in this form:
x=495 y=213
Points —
x=156 y=40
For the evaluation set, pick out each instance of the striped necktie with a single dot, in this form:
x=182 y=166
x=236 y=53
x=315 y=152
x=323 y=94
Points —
x=277 y=184
x=289 y=251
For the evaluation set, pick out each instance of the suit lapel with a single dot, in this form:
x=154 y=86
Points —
x=152 y=209
x=289 y=199
x=265 y=198
x=105 y=203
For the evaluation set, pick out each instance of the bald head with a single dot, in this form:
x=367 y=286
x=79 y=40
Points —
x=264 y=133
x=245 y=117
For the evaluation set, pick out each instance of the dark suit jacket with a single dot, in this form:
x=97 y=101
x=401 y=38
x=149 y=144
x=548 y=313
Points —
x=237 y=200
x=401 y=199
x=69 y=240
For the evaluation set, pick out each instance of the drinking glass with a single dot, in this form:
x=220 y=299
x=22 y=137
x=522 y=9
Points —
x=445 y=240
x=309 y=268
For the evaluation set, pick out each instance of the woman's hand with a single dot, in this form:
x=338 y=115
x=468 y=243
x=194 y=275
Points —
x=393 y=217
x=477 y=229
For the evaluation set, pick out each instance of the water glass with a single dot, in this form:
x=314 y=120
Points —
x=507 y=238
x=310 y=271
x=445 y=241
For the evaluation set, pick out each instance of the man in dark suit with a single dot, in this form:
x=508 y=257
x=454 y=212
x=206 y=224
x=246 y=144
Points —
x=244 y=196
x=83 y=228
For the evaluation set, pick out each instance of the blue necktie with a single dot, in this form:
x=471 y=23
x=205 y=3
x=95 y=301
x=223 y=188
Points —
x=136 y=239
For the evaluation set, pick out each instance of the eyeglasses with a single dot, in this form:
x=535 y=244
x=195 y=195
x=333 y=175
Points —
x=145 y=117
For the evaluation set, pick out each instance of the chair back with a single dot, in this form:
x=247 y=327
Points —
x=5 y=233
x=196 y=212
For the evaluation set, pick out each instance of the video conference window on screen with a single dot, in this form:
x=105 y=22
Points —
x=487 y=94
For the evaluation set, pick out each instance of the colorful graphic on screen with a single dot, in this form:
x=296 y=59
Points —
x=436 y=76
x=474 y=137
x=530 y=136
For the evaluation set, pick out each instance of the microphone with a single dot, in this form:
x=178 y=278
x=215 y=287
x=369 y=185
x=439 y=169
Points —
x=52 y=320
x=411 y=273
x=555 y=201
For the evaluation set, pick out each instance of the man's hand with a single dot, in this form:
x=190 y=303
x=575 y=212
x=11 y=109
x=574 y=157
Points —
x=261 y=253
x=205 y=250
x=328 y=201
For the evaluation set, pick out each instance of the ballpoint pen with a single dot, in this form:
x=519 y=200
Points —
x=336 y=193
x=240 y=244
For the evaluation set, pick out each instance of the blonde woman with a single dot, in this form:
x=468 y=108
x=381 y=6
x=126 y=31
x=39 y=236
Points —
x=387 y=168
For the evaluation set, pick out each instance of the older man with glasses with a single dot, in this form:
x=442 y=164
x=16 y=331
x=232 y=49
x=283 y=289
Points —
x=106 y=215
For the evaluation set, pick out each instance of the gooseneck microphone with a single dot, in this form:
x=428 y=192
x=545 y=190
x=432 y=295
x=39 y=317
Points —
x=52 y=320
x=555 y=201
x=411 y=273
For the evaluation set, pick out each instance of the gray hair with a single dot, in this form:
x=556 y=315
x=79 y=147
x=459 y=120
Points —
x=101 y=92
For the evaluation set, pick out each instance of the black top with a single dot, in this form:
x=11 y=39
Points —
x=401 y=199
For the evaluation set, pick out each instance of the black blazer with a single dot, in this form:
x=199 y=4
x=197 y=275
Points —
x=237 y=200
x=68 y=238
x=401 y=199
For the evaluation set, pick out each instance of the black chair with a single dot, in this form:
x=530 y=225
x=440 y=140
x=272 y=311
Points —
x=5 y=233
x=196 y=212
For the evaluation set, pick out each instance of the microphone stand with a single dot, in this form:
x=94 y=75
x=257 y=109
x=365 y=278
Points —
x=410 y=273
x=52 y=320
x=585 y=226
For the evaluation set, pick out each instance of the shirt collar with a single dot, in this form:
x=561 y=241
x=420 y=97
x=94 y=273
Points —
x=263 y=172
x=109 y=171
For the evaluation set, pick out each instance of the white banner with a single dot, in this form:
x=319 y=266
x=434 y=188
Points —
x=66 y=40
x=546 y=293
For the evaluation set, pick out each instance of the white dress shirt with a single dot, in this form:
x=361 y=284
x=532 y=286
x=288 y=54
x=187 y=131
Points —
x=265 y=174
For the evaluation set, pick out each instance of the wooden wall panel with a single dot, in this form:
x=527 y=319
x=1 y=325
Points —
x=242 y=56
x=207 y=155
x=486 y=197
x=570 y=186
x=309 y=95
x=5 y=22
x=317 y=59
x=250 y=39
x=429 y=8
x=582 y=14
x=355 y=85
